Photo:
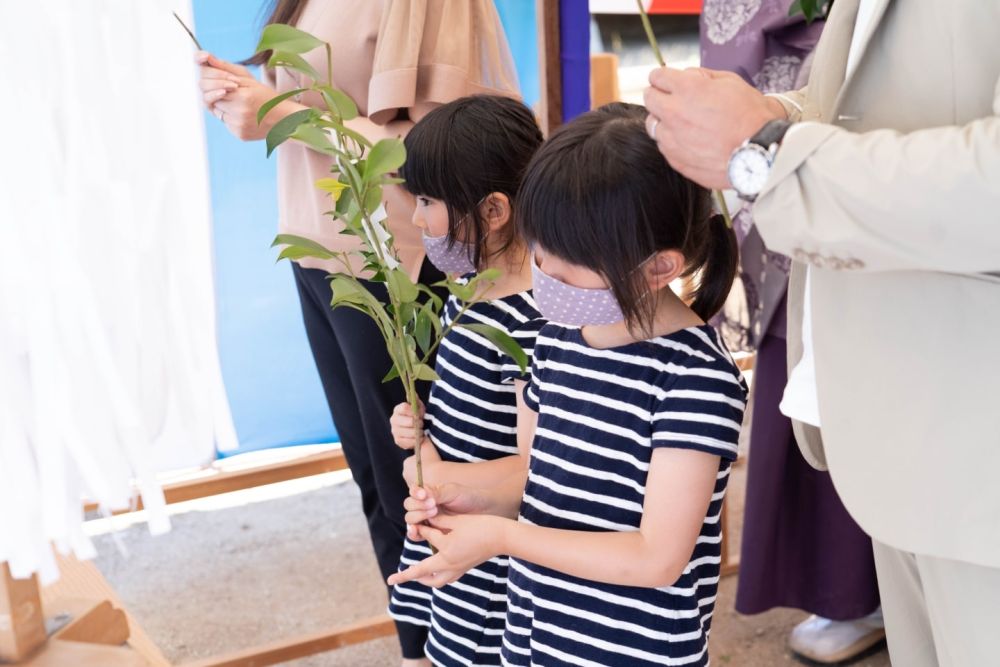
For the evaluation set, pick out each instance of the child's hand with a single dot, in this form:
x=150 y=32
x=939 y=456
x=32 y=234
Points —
x=427 y=502
x=462 y=541
x=404 y=425
x=429 y=455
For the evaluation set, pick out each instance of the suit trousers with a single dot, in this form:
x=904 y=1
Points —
x=352 y=360
x=938 y=612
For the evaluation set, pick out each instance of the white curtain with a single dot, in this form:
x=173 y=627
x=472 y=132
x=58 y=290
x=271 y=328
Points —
x=109 y=370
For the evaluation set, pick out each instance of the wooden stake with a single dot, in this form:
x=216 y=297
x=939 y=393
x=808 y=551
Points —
x=22 y=624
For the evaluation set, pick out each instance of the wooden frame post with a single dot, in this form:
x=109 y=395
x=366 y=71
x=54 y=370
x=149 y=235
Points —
x=549 y=65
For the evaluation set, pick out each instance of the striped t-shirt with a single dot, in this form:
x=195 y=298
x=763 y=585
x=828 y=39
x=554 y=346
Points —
x=601 y=413
x=471 y=415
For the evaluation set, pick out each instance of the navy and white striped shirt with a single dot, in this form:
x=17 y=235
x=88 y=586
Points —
x=601 y=414
x=471 y=416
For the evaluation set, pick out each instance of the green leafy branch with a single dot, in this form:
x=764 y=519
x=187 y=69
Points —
x=410 y=321
x=810 y=9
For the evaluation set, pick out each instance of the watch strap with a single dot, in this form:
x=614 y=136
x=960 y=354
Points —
x=772 y=133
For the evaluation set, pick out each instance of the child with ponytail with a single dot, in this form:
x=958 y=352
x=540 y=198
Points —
x=637 y=407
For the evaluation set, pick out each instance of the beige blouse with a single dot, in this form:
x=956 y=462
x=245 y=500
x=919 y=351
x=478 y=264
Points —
x=387 y=55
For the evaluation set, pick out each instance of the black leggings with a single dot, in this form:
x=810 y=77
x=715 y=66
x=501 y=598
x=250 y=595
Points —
x=351 y=358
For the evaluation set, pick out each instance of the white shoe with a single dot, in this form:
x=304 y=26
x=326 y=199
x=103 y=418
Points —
x=827 y=641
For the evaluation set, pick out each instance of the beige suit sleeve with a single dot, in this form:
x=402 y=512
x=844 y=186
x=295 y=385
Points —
x=926 y=200
x=431 y=52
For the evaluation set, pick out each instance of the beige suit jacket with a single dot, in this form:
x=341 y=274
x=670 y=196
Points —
x=894 y=198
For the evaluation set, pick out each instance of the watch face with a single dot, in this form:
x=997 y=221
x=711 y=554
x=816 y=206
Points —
x=748 y=169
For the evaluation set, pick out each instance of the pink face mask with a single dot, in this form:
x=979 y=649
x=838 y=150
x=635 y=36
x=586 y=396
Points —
x=575 y=306
x=454 y=260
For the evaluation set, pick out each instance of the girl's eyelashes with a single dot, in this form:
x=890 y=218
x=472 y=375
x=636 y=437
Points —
x=424 y=201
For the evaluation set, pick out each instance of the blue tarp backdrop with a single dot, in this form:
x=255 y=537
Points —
x=273 y=388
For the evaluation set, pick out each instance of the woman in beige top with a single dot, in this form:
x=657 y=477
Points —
x=396 y=59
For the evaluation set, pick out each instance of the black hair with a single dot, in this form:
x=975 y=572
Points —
x=462 y=151
x=599 y=194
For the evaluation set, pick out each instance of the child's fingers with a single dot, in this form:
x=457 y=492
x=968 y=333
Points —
x=425 y=568
x=443 y=522
x=417 y=517
x=433 y=535
x=439 y=579
x=412 y=504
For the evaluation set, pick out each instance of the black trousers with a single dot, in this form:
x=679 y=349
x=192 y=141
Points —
x=352 y=360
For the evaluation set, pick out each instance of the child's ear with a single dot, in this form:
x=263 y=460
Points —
x=495 y=210
x=663 y=268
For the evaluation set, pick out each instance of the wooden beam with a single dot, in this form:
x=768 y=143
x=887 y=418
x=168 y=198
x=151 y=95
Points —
x=549 y=65
x=306 y=645
x=77 y=654
x=213 y=481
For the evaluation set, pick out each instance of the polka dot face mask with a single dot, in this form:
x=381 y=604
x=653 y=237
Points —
x=454 y=260
x=575 y=306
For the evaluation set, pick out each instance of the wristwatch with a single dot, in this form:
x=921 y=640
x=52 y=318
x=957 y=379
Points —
x=750 y=164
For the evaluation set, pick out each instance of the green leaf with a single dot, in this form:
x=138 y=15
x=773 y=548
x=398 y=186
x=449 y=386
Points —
x=308 y=247
x=486 y=275
x=392 y=374
x=294 y=62
x=342 y=129
x=502 y=340
x=373 y=199
x=425 y=372
x=424 y=328
x=435 y=301
x=345 y=201
x=295 y=252
x=340 y=102
x=386 y=155
x=350 y=171
x=810 y=9
x=460 y=291
x=284 y=128
x=407 y=312
x=401 y=286
x=275 y=101
x=348 y=290
x=332 y=186
x=281 y=37
x=315 y=138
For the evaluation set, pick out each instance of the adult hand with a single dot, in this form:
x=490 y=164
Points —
x=233 y=95
x=462 y=542
x=700 y=116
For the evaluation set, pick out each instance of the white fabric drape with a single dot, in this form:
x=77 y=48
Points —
x=108 y=364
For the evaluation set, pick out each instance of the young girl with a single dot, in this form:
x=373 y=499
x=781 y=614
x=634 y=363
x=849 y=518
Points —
x=614 y=558
x=464 y=163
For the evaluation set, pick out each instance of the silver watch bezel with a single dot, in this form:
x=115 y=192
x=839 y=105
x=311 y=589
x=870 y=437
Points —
x=768 y=153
